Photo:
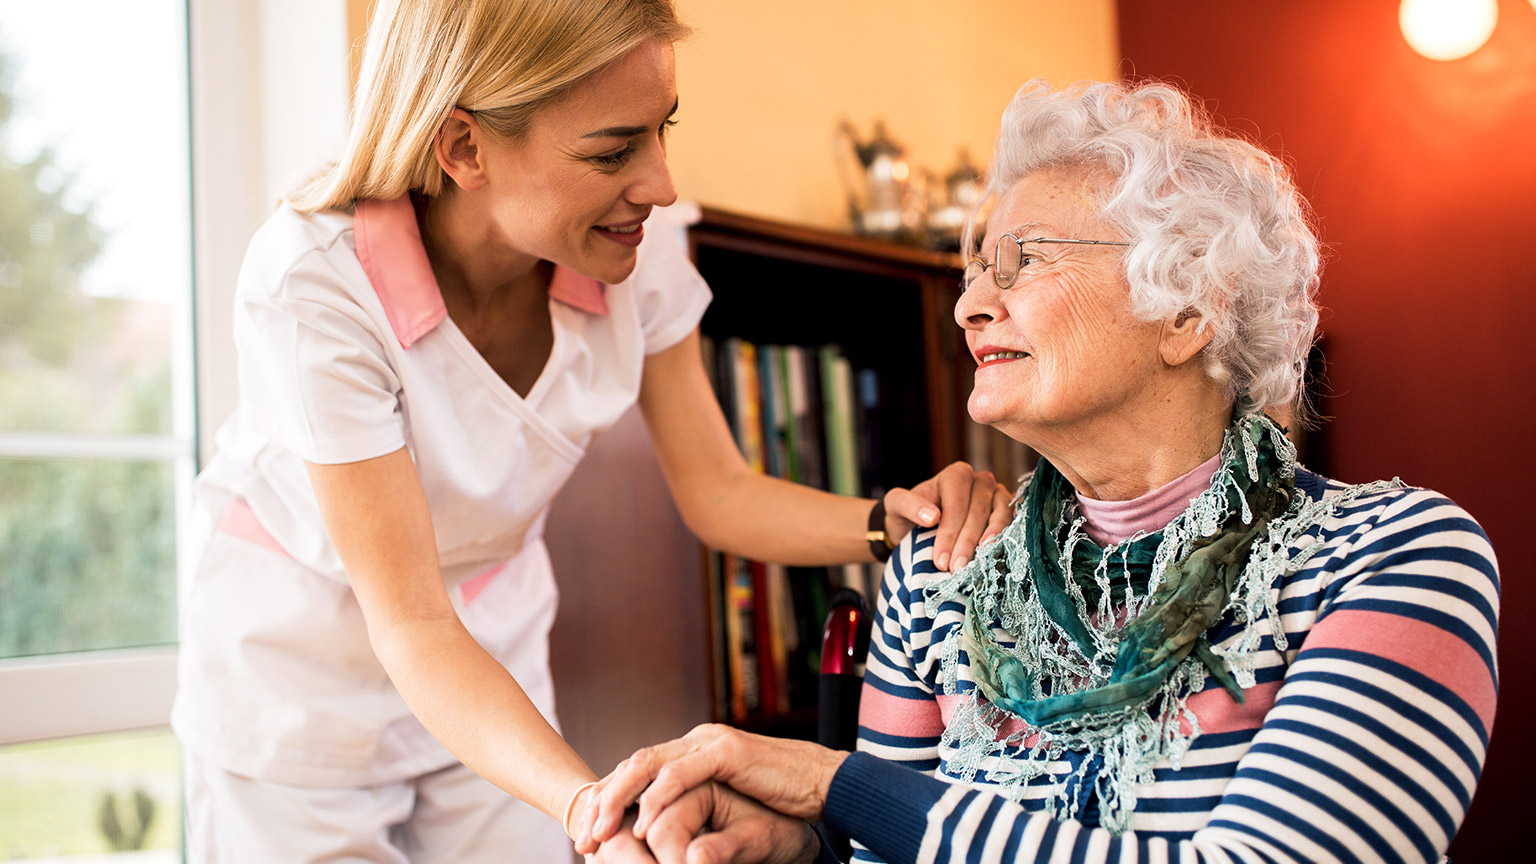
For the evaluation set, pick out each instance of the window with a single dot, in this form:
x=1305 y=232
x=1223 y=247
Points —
x=99 y=432
x=95 y=269
x=96 y=433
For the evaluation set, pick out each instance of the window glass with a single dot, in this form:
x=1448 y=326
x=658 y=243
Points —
x=98 y=796
x=95 y=267
x=90 y=555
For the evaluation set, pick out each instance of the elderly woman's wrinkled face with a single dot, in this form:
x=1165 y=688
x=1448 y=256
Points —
x=1059 y=350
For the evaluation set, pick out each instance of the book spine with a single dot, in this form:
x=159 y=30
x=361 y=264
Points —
x=748 y=695
x=748 y=404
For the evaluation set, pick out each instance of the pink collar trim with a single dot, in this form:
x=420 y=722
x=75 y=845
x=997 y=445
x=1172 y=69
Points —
x=578 y=291
x=389 y=248
x=1113 y=521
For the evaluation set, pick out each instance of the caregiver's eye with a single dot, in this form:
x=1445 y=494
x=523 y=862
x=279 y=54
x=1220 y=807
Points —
x=616 y=159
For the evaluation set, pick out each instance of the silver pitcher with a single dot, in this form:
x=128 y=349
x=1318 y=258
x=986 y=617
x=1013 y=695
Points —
x=877 y=189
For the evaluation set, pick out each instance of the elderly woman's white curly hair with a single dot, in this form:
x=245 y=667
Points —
x=1219 y=226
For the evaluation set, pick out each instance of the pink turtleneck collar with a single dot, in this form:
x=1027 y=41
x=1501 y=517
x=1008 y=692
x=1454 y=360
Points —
x=1113 y=521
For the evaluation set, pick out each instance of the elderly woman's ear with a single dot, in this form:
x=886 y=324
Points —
x=1183 y=337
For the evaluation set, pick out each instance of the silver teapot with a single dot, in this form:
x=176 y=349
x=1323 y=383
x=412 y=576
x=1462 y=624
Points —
x=878 y=199
x=961 y=189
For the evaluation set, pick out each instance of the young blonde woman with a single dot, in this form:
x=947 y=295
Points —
x=429 y=334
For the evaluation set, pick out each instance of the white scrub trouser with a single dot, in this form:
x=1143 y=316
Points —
x=452 y=815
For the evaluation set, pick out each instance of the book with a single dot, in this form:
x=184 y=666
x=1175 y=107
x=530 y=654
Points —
x=747 y=693
x=837 y=402
x=806 y=365
x=780 y=622
x=747 y=403
x=867 y=425
x=716 y=593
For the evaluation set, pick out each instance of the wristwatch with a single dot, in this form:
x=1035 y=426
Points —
x=879 y=544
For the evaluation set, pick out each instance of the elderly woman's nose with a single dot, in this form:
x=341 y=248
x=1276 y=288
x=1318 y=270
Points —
x=978 y=304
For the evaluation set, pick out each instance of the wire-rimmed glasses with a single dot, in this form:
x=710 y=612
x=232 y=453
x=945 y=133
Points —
x=1009 y=258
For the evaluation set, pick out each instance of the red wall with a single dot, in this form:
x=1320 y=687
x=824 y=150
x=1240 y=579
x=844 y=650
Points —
x=1423 y=177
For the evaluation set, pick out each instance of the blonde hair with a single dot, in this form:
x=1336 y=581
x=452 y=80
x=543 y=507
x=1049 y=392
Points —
x=503 y=60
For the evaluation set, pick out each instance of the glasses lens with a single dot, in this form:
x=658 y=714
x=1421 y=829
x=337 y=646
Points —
x=1008 y=260
x=973 y=271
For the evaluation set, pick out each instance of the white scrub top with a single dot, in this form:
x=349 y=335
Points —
x=346 y=352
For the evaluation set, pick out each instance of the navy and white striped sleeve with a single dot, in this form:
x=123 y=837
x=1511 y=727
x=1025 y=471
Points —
x=899 y=719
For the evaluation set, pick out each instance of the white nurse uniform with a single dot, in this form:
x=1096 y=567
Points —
x=346 y=352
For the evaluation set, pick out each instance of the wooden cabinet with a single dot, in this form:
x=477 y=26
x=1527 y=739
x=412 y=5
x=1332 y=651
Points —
x=889 y=309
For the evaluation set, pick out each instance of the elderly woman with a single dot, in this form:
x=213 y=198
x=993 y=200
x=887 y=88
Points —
x=1186 y=645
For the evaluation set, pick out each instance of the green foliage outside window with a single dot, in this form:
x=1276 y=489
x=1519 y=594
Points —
x=87 y=546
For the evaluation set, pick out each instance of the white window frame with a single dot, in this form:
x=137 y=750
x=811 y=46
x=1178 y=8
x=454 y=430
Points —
x=269 y=96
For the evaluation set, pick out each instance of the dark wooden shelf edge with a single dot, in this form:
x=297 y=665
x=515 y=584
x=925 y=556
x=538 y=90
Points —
x=724 y=222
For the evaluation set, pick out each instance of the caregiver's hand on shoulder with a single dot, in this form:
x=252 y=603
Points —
x=712 y=824
x=968 y=506
x=791 y=777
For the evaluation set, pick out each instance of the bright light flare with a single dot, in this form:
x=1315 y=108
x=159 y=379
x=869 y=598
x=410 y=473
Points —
x=1447 y=29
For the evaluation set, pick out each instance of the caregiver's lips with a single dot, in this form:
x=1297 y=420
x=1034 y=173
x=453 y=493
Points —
x=624 y=233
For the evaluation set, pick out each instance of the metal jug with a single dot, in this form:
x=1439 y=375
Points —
x=877 y=191
x=962 y=189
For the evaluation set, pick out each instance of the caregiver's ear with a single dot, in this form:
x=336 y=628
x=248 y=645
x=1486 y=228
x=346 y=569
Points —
x=1183 y=337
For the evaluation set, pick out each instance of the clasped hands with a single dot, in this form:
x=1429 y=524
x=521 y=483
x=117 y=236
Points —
x=722 y=795
x=715 y=795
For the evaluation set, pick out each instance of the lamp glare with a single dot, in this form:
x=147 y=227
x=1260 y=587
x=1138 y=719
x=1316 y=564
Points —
x=1447 y=29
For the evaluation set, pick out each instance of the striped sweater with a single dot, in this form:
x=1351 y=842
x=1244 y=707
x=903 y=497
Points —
x=1362 y=740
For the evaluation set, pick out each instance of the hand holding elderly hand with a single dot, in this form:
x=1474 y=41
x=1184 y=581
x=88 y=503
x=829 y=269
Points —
x=969 y=508
x=622 y=848
x=712 y=824
x=790 y=777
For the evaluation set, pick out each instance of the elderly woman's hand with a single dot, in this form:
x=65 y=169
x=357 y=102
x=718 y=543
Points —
x=712 y=824
x=791 y=777
x=969 y=507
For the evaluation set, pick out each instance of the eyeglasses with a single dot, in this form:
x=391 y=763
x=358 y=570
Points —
x=1011 y=258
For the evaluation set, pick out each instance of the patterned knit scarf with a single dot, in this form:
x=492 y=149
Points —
x=1097 y=649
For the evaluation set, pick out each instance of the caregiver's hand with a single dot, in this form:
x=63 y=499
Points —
x=969 y=507
x=791 y=777
x=623 y=848
x=712 y=824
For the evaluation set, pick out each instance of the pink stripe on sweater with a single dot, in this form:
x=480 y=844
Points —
x=893 y=715
x=1219 y=712
x=1437 y=653
x=1009 y=727
x=240 y=521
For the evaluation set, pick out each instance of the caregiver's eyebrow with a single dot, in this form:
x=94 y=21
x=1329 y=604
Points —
x=626 y=131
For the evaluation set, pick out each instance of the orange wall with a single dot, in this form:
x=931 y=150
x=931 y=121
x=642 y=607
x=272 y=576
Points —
x=1423 y=176
x=763 y=86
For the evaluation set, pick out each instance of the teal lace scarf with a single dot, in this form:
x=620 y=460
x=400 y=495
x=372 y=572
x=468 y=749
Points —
x=1097 y=649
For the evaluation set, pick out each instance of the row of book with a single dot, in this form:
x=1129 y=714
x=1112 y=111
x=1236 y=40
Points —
x=806 y=414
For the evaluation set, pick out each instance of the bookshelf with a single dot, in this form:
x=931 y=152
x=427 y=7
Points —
x=820 y=342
